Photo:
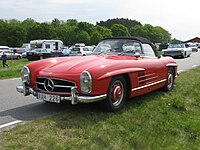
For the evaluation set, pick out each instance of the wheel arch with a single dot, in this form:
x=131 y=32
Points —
x=174 y=66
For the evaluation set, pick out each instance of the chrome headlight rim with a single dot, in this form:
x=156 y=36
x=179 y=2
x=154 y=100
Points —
x=89 y=84
x=25 y=75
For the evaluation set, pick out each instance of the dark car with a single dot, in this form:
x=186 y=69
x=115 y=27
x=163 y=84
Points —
x=37 y=54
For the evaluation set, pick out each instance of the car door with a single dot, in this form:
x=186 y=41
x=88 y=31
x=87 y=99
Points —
x=156 y=69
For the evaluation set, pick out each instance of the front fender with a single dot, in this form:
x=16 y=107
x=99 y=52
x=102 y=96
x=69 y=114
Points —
x=120 y=71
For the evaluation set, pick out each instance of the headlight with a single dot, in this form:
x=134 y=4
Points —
x=25 y=75
x=86 y=82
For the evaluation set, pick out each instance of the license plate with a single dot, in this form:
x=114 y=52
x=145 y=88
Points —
x=48 y=97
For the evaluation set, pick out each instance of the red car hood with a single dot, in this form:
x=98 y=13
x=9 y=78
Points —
x=75 y=65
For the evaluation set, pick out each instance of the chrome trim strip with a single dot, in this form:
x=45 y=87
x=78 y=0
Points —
x=148 y=79
x=57 y=79
x=40 y=83
x=147 y=75
x=145 y=86
x=54 y=92
x=62 y=86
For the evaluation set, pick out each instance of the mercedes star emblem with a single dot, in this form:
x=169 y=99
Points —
x=49 y=85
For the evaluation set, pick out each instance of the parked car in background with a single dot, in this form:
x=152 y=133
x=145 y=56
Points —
x=37 y=54
x=120 y=68
x=66 y=51
x=81 y=51
x=79 y=45
x=10 y=54
x=177 y=50
x=194 y=47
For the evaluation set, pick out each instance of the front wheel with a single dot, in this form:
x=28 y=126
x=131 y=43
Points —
x=170 y=80
x=116 y=94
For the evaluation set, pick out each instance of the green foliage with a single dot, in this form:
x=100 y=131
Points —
x=175 y=41
x=14 y=33
x=119 y=30
x=96 y=37
x=11 y=34
x=154 y=34
x=126 y=22
x=105 y=32
x=83 y=37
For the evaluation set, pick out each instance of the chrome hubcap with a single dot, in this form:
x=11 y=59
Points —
x=170 y=80
x=117 y=93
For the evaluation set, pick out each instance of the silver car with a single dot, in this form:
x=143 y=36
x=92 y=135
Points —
x=177 y=50
x=10 y=54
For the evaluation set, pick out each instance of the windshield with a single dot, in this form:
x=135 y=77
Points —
x=118 y=46
x=192 y=45
x=176 y=46
x=34 y=46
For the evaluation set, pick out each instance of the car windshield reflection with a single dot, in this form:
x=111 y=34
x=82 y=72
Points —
x=118 y=46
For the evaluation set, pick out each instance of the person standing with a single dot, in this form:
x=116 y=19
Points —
x=4 y=59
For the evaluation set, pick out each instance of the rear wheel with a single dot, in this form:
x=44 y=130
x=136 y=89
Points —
x=116 y=94
x=170 y=80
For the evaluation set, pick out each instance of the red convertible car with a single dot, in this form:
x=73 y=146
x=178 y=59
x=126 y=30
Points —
x=120 y=68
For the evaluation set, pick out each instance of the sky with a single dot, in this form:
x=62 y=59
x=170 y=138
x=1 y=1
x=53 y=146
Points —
x=179 y=17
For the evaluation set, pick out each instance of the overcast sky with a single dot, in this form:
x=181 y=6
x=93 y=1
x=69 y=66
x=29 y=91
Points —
x=180 y=17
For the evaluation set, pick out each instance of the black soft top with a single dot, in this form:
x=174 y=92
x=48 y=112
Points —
x=140 y=39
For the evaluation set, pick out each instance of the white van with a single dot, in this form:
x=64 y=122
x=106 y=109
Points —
x=4 y=48
x=50 y=45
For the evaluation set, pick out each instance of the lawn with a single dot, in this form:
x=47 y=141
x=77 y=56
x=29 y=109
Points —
x=157 y=120
x=14 y=69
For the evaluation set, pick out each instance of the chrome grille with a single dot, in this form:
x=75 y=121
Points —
x=59 y=86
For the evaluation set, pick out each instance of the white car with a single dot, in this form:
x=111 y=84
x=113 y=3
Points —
x=194 y=47
x=177 y=50
x=10 y=54
x=81 y=51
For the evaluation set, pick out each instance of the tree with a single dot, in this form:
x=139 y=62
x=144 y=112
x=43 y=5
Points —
x=95 y=38
x=40 y=31
x=83 y=37
x=84 y=26
x=138 y=31
x=124 y=21
x=153 y=34
x=13 y=35
x=104 y=31
x=26 y=25
x=72 y=22
x=119 y=30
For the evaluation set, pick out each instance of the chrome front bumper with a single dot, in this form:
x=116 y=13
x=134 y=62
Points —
x=74 y=98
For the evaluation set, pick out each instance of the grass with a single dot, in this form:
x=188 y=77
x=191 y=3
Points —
x=157 y=120
x=14 y=69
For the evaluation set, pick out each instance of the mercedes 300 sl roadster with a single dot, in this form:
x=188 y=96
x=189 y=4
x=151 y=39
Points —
x=120 y=68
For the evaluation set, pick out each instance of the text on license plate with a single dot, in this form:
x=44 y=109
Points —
x=48 y=97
